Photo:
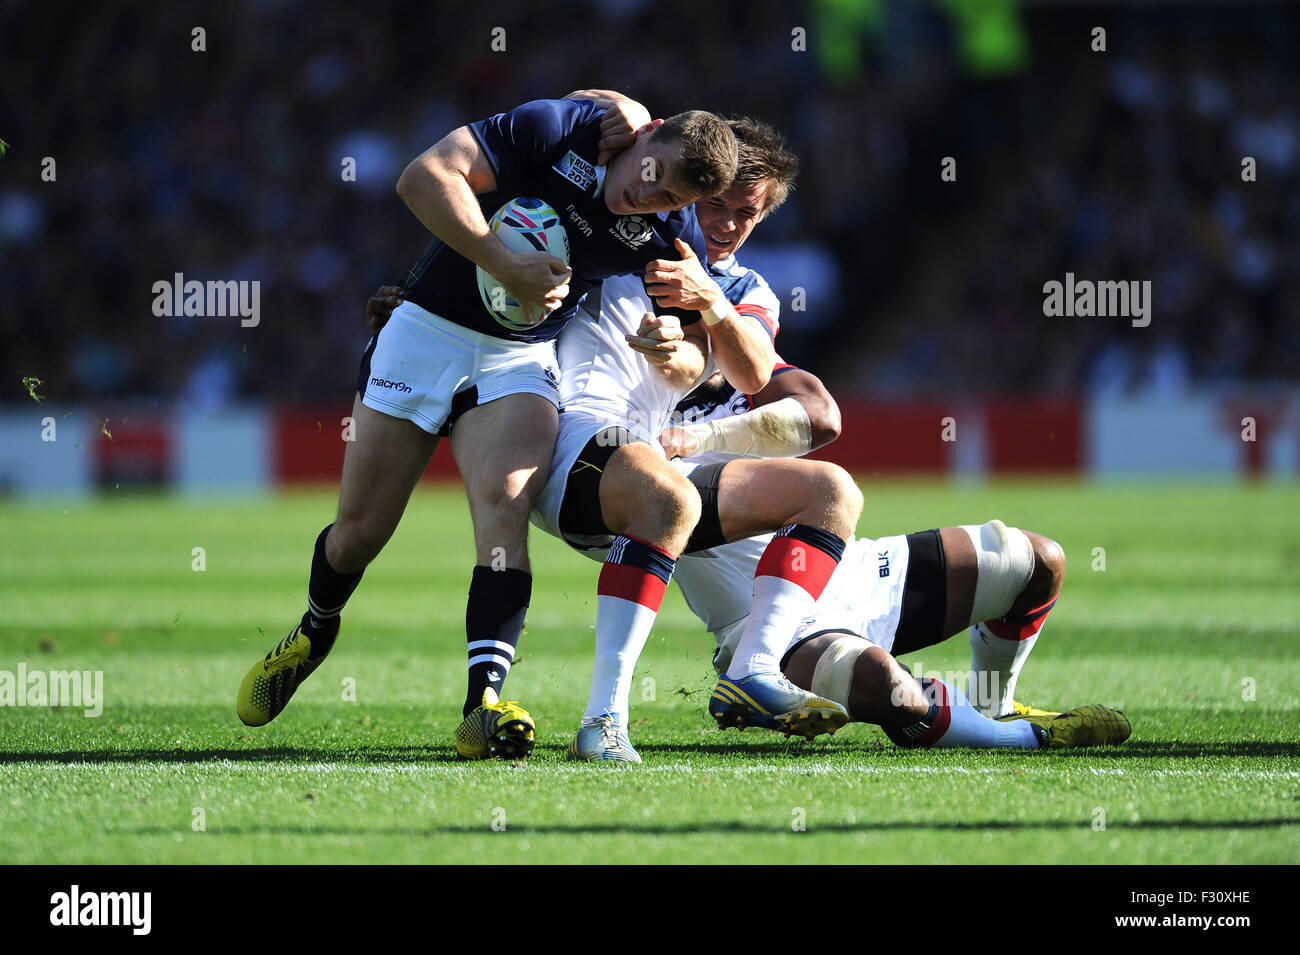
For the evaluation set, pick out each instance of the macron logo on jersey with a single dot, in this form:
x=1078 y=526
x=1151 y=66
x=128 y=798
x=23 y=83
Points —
x=577 y=170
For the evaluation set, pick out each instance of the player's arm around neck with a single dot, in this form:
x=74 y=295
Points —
x=602 y=98
x=623 y=117
x=441 y=186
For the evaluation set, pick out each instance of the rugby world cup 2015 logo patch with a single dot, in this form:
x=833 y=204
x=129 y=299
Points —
x=633 y=231
x=577 y=170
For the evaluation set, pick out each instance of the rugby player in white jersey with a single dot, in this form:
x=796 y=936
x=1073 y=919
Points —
x=868 y=596
x=612 y=494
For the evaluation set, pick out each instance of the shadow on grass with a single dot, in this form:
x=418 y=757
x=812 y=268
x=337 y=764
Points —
x=1155 y=749
x=722 y=827
x=796 y=752
x=278 y=754
x=1134 y=749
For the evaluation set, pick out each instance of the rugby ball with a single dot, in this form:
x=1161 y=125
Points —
x=524 y=225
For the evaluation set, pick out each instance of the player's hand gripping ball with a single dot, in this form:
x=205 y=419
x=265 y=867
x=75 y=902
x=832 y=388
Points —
x=525 y=226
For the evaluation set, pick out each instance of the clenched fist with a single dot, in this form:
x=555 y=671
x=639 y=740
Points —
x=657 y=337
x=678 y=443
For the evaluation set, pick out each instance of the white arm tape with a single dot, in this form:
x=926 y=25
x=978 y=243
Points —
x=778 y=430
x=717 y=312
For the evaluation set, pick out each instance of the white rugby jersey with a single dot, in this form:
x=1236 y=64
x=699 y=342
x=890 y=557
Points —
x=601 y=375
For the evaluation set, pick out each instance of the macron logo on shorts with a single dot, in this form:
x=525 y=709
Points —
x=399 y=386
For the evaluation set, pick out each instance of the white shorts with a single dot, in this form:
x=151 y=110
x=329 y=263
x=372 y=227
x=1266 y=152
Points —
x=428 y=370
x=718 y=583
x=577 y=428
x=864 y=596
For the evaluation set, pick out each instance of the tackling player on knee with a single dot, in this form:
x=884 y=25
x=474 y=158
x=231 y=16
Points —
x=998 y=584
x=904 y=593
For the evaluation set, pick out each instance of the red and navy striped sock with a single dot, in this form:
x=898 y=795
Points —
x=1024 y=626
x=628 y=596
x=930 y=728
x=792 y=573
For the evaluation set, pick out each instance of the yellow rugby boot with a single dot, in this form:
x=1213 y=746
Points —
x=496 y=730
x=270 y=684
x=1081 y=726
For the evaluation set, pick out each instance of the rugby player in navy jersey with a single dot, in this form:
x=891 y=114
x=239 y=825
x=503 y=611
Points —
x=443 y=366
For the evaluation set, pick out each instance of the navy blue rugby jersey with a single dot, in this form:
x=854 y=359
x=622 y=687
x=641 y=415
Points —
x=546 y=149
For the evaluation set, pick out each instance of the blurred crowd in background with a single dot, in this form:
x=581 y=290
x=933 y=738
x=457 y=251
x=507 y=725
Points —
x=226 y=164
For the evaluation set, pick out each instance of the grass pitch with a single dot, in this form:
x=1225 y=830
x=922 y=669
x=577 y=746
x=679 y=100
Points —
x=1191 y=628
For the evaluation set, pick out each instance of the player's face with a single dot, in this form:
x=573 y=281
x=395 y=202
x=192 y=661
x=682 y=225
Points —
x=729 y=217
x=642 y=178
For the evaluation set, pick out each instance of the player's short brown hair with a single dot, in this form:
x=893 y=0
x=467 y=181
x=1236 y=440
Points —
x=708 y=160
x=764 y=157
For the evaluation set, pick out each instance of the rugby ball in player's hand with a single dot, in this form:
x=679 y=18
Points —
x=524 y=225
